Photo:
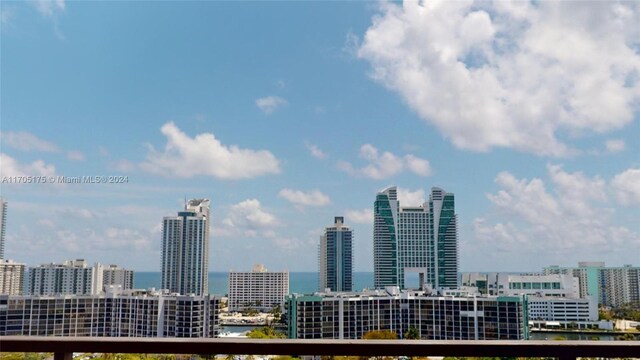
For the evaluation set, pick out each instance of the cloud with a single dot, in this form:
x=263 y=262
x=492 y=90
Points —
x=72 y=231
x=248 y=217
x=187 y=157
x=627 y=187
x=11 y=167
x=316 y=152
x=516 y=75
x=407 y=197
x=614 y=145
x=364 y=216
x=75 y=156
x=270 y=104
x=123 y=165
x=564 y=216
x=301 y=198
x=49 y=8
x=386 y=165
x=25 y=141
x=5 y=16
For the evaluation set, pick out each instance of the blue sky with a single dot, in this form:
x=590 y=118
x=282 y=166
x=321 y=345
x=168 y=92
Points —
x=288 y=114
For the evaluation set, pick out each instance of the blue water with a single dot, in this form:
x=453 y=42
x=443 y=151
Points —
x=299 y=282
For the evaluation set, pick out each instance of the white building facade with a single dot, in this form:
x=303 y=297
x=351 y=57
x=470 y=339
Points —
x=259 y=289
x=121 y=314
x=115 y=275
x=185 y=249
x=11 y=277
x=552 y=285
x=563 y=311
x=3 y=225
x=72 y=277
x=612 y=286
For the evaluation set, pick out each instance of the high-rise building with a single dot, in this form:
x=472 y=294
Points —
x=258 y=289
x=611 y=286
x=3 y=225
x=74 y=277
x=11 y=277
x=115 y=275
x=335 y=257
x=185 y=249
x=419 y=239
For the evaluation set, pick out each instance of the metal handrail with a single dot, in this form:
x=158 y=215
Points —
x=64 y=347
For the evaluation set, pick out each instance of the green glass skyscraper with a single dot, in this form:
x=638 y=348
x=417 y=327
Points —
x=418 y=239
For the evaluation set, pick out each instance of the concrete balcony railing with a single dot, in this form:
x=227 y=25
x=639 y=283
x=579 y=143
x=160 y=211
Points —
x=64 y=347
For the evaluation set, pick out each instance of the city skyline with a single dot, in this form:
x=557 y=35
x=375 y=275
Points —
x=286 y=114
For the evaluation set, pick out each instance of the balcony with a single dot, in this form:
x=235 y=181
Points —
x=64 y=347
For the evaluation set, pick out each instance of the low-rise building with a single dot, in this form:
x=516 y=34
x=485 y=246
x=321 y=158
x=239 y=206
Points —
x=562 y=312
x=351 y=315
x=258 y=289
x=553 y=285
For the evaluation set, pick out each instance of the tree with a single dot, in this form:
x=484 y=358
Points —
x=412 y=334
x=265 y=332
x=276 y=313
x=380 y=335
x=627 y=337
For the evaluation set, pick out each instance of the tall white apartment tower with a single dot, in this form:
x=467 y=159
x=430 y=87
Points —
x=3 y=225
x=185 y=249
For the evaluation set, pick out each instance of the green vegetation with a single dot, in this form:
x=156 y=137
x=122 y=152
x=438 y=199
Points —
x=276 y=313
x=627 y=337
x=412 y=334
x=265 y=332
x=380 y=335
x=25 y=356
x=630 y=311
x=250 y=312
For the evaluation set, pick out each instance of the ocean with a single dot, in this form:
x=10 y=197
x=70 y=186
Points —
x=299 y=282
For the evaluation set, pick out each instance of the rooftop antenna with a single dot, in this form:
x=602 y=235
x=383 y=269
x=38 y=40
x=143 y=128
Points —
x=185 y=203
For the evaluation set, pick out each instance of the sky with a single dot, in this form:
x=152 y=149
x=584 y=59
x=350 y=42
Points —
x=286 y=114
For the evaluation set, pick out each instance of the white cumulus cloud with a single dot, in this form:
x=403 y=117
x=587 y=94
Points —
x=614 y=145
x=25 y=141
x=363 y=216
x=315 y=151
x=563 y=216
x=301 y=198
x=186 y=157
x=510 y=74
x=627 y=187
x=270 y=104
x=385 y=165
x=49 y=8
x=248 y=216
x=407 y=197
x=75 y=155
x=11 y=167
